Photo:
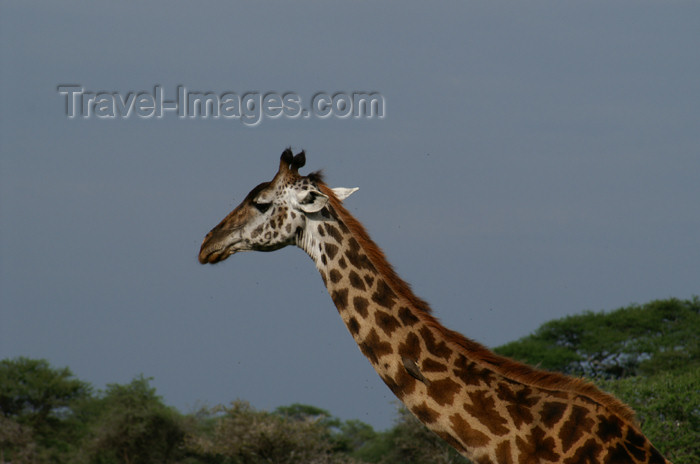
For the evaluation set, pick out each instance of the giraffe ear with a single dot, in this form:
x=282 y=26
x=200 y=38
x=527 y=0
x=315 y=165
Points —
x=342 y=192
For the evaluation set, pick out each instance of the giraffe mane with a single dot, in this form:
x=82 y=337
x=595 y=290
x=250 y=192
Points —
x=374 y=253
x=317 y=177
x=507 y=367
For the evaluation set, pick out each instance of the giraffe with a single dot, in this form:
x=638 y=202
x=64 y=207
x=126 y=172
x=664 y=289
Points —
x=490 y=408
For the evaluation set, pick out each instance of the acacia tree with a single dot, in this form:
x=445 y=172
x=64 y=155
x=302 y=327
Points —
x=133 y=426
x=636 y=340
x=36 y=400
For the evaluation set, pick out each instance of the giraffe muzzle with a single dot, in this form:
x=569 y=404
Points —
x=214 y=249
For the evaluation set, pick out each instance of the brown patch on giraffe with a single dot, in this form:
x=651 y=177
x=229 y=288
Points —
x=552 y=412
x=340 y=298
x=288 y=228
x=361 y=304
x=575 y=426
x=333 y=232
x=425 y=414
x=331 y=250
x=335 y=276
x=384 y=296
x=324 y=260
x=407 y=317
x=468 y=371
x=443 y=391
x=386 y=322
x=483 y=406
x=343 y=228
x=405 y=382
x=410 y=347
x=609 y=428
x=655 y=457
x=358 y=259
x=402 y=384
x=471 y=437
x=321 y=232
x=439 y=349
x=356 y=281
x=430 y=365
x=538 y=447
x=585 y=454
x=257 y=231
x=503 y=453
x=374 y=348
x=353 y=326
x=618 y=455
x=342 y=263
x=634 y=442
x=518 y=403
x=370 y=280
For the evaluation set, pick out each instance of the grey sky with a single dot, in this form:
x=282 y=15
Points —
x=536 y=160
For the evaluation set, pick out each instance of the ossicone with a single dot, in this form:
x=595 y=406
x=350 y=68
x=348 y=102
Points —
x=287 y=156
x=299 y=161
x=292 y=162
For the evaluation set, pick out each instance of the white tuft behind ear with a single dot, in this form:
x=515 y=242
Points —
x=342 y=192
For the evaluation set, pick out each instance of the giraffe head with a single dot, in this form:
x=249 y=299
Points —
x=273 y=215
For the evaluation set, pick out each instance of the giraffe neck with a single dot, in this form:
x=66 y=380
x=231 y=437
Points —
x=491 y=409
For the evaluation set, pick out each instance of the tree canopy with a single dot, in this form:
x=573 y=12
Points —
x=634 y=340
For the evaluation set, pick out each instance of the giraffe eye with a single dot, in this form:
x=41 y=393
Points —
x=262 y=207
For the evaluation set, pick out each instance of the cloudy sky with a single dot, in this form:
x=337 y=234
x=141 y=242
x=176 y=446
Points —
x=533 y=160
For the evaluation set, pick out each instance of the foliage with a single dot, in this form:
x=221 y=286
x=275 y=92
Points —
x=635 y=340
x=35 y=399
x=133 y=426
x=242 y=435
x=16 y=442
x=343 y=437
